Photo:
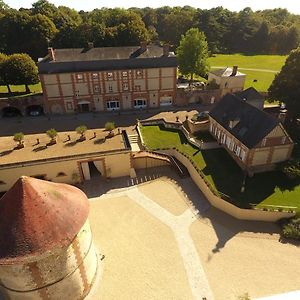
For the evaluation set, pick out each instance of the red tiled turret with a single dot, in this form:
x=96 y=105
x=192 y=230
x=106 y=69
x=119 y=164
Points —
x=37 y=216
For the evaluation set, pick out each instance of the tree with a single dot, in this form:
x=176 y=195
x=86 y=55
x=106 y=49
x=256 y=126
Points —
x=52 y=133
x=81 y=130
x=192 y=53
x=19 y=137
x=3 y=5
x=285 y=87
x=21 y=69
x=3 y=79
x=110 y=126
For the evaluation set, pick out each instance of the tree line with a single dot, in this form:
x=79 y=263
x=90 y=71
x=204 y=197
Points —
x=32 y=30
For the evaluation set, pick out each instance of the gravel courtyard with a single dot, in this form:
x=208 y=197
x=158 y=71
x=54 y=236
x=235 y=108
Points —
x=158 y=246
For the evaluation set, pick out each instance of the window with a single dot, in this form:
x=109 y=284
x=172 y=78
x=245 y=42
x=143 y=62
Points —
x=110 y=88
x=79 y=77
x=113 y=105
x=77 y=94
x=237 y=150
x=139 y=73
x=283 y=140
x=69 y=106
x=243 y=155
x=137 y=88
x=124 y=73
x=263 y=143
x=96 y=89
x=140 y=103
x=125 y=86
x=95 y=76
x=109 y=75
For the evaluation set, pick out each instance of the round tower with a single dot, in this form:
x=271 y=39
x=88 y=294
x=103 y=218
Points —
x=46 y=245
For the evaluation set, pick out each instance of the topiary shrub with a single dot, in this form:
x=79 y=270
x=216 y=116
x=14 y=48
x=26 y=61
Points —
x=292 y=169
x=291 y=229
x=81 y=130
x=19 y=137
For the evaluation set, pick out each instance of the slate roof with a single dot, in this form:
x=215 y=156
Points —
x=225 y=72
x=249 y=94
x=252 y=124
x=37 y=216
x=106 y=58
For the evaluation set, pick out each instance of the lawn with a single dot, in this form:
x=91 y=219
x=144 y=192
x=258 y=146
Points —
x=271 y=188
x=259 y=62
x=19 y=89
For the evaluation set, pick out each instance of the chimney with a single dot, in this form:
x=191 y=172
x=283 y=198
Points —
x=234 y=70
x=166 y=49
x=51 y=53
x=90 y=45
x=143 y=46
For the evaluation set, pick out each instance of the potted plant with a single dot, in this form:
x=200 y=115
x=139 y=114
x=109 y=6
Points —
x=110 y=126
x=52 y=134
x=81 y=130
x=19 y=137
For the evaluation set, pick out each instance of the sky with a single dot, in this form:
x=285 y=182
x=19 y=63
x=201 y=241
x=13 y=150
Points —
x=235 y=5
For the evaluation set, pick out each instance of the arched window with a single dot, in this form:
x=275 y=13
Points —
x=61 y=174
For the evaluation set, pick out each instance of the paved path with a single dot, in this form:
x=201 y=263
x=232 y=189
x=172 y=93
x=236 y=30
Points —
x=249 y=69
x=180 y=227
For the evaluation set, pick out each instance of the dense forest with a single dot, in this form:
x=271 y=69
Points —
x=33 y=30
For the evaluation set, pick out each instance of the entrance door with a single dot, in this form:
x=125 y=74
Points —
x=85 y=107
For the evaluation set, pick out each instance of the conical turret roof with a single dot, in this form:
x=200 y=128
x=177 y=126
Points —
x=37 y=216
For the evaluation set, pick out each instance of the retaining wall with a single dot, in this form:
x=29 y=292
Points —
x=239 y=213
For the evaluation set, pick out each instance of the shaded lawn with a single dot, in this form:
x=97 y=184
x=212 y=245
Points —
x=221 y=171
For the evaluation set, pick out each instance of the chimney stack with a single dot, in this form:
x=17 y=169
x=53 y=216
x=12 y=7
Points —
x=51 y=53
x=166 y=50
x=143 y=46
x=234 y=70
x=90 y=45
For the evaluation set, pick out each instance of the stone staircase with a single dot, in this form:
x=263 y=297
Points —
x=134 y=141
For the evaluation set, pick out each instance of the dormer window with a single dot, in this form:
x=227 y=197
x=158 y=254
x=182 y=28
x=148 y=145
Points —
x=139 y=73
x=233 y=123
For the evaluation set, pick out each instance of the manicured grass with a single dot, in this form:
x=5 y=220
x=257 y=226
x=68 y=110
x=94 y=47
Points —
x=260 y=62
x=19 y=89
x=269 y=62
x=271 y=188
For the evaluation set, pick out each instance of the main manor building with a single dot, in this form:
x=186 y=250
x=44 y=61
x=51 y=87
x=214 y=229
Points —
x=107 y=79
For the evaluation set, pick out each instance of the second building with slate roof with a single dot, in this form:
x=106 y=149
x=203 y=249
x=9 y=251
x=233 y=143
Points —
x=255 y=139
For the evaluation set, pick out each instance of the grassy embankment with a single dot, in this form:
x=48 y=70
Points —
x=220 y=170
